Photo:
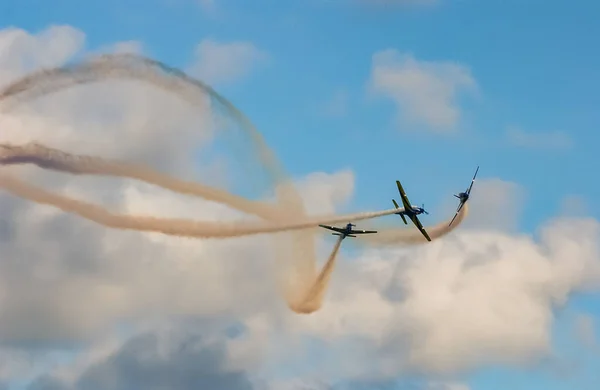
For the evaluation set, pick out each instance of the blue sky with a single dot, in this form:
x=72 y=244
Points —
x=534 y=63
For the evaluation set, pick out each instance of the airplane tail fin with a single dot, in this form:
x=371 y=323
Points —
x=403 y=219
x=395 y=204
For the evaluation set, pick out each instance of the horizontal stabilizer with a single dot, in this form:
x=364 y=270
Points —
x=404 y=219
x=395 y=204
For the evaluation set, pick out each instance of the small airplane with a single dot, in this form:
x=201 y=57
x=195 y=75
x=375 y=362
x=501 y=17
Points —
x=410 y=211
x=463 y=197
x=347 y=231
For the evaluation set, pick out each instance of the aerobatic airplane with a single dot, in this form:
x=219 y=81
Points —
x=463 y=197
x=347 y=231
x=410 y=211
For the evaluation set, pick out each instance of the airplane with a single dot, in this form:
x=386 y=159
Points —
x=463 y=197
x=347 y=231
x=410 y=211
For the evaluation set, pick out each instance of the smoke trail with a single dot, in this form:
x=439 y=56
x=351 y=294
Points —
x=288 y=209
x=168 y=226
x=49 y=158
x=57 y=160
x=313 y=300
x=130 y=66
x=301 y=255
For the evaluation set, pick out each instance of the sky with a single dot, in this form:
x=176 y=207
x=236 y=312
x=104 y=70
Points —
x=351 y=95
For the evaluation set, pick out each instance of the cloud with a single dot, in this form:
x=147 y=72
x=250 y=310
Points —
x=553 y=140
x=158 y=360
x=218 y=63
x=21 y=52
x=426 y=92
x=462 y=302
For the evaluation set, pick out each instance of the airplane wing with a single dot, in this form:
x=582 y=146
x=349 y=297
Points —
x=363 y=231
x=335 y=229
x=473 y=181
x=420 y=226
x=401 y=215
x=405 y=200
x=460 y=206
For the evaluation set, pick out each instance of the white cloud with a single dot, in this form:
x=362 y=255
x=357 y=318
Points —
x=426 y=92
x=468 y=300
x=21 y=52
x=218 y=62
x=556 y=140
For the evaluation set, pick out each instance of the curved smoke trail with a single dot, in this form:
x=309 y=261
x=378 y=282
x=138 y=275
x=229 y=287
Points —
x=287 y=215
x=129 y=66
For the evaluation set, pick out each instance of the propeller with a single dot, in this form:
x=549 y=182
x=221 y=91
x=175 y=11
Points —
x=423 y=207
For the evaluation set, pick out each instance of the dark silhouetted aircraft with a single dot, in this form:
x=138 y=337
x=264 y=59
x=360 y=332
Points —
x=463 y=197
x=347 y=231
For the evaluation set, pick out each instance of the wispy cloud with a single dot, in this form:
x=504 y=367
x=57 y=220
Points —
x=556 y=140
x=218 y=62
x=425 y=91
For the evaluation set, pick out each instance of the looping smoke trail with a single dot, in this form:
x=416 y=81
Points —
x=134 y=67
x=289 y=207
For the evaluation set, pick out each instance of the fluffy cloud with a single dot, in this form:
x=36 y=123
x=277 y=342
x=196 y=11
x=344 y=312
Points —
x=553 y=140
x=426 y=92
x=56 y=289
x=158 y=360
x=21 y=52
x=218 y=62
x=473 y=299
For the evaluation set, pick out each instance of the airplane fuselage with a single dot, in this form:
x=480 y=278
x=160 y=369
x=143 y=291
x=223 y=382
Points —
x=414 y=210
x=463 y=197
